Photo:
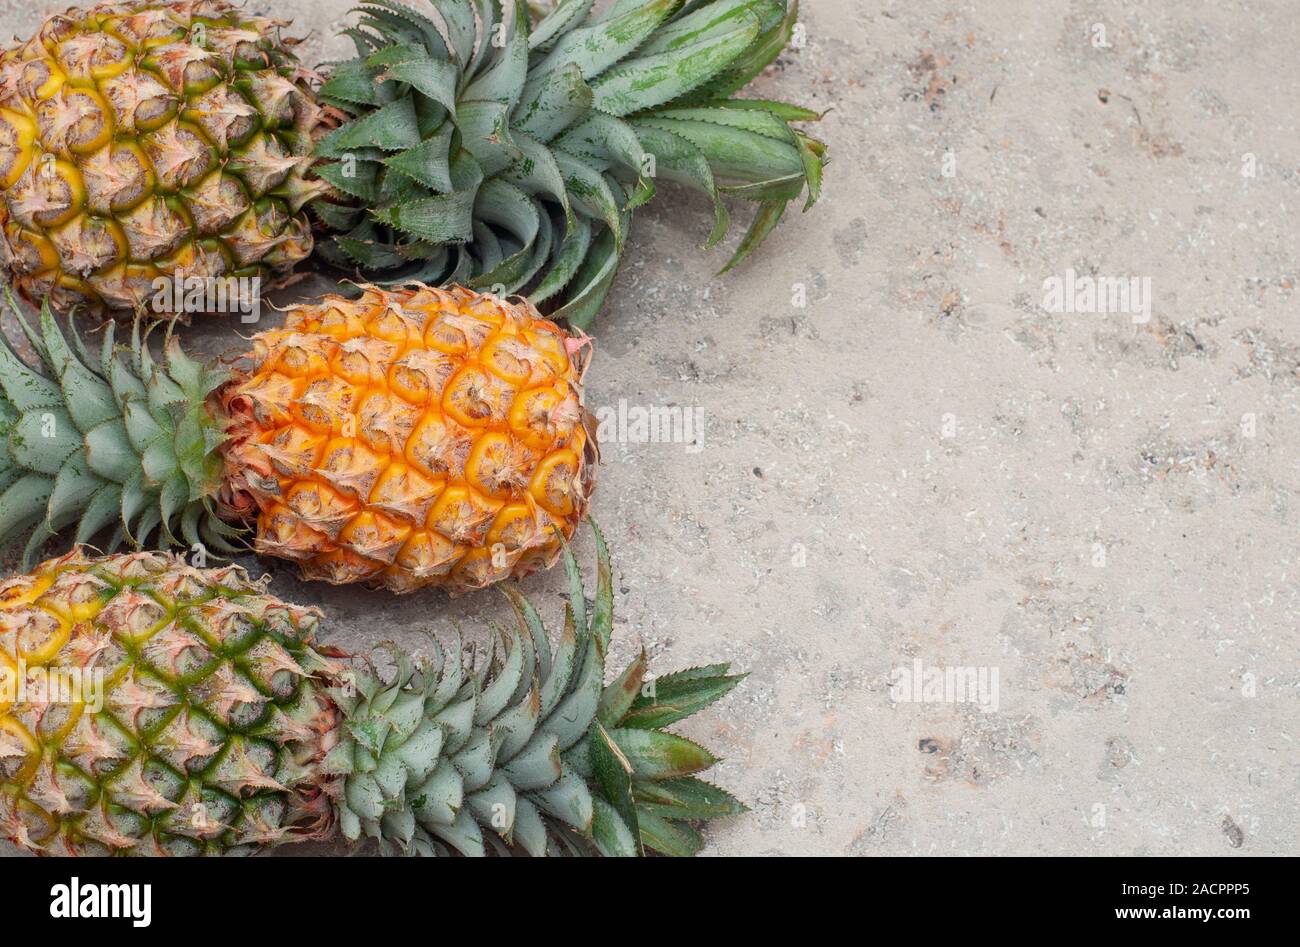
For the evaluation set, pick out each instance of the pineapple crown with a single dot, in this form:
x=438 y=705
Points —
x=103 y=442
x=530 y=752
x=490 y=150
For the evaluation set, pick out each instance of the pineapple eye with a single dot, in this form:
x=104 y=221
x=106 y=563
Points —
x=350 y=467
x=498 y=465
x=246 y=55
x=272 y=668
x=294 y=354
x=479 y=568
x=515 y=528
x=425 y=301
x=224 y=116
x=394 y=325
x=216 y=202
x=58 y=717
x=141 y=102
x=337 y=322
x=437 y=447
x=125 y=286
x=93 y=56
x=32 y=252
x=185 y=587
x=202 y=260
x=133 y=616
x=339 y=566
x=117 y=178
x=18 y=751
x=274 y=96
x=487 y=309
x=374 y=536
x=411 y=385
x=230 y=696
x=456 y=334
x=40 y=636
x=176 y=652
x=17 y=135
x=551 y=346
x=462 y=515
x=179 y=155
x=403 y=491
x=279 y=528
x=88 y=244
x=553 y=485
x=319 y=506
x=293 y=451
x=509 y=358
x=229 y=626
x=543 y=416
x=153 y=229
x=427 y=554
x=327 y=405
x=272 y=396
x=187 y=69
x=364 y=361
x=257 y=233
x=475 y=398
x=80 y=594
x=289 y=623
x=263 y=164
x=384 y=425
x=147 y=28
x=295 y=243
x=420 y=373
x=39 y=80
x=49 y=193
x=55 y=30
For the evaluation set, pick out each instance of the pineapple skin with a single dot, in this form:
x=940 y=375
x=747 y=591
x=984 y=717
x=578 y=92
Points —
x=214 y=720
x=147 y=140
x=412 y=438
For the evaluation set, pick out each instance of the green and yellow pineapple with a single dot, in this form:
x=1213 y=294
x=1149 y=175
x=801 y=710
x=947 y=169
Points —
x=170 y=710
x=147 y=141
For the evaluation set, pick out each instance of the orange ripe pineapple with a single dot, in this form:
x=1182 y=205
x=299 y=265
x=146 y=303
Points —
x=409 y=438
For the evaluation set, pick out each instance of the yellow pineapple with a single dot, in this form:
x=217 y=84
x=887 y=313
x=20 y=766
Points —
x=148 y=707
x=409 y=438
x=148 y=140
x=498 y=144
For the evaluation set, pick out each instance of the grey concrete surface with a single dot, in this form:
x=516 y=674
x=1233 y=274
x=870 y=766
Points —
x=924 y=463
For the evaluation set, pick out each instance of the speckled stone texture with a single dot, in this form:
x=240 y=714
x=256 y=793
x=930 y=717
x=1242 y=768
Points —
x=922 y=463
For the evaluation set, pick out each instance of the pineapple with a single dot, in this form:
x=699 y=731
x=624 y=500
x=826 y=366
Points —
x=148 y=140
x=410 y=438
x=196 y=715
